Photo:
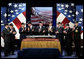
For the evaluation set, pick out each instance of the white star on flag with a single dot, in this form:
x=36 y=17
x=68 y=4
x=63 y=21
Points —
x=59 y=8
x=13 y=15
x=58 y=4
x=70 y=11
x=66 y=10
x=17 y=13
x=15 y=5
x=77 y=12
x=72 y=4
x=65 y=13
x=20 y=5
x=8 y=19
x=1 y=21
x=16 y=10
x=24 y=4
x=69 y=16
x=73 y=15
x=81 y=19
x=8 y=14
x=5 y=15
x=62 y=5
x=66 y=5
x=10 y=4
x=11 y=11
x=81 y=10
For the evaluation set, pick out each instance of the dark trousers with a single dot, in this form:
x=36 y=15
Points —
x=68 y=44
x=12 y=48
x=20 y=41
x=77 y=46
x=7 y=48
x=60 y=37
x=21 y=38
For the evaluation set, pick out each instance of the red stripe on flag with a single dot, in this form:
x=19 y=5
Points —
x=24 y=13
x=38 y=24
x=65 y=21
x=17 y=22
x=81 y=32
x=47 y=12
x=58 y=13
x=34 y=17
x=37 y=20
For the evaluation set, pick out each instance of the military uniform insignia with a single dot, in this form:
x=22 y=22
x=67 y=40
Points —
x=76 y=30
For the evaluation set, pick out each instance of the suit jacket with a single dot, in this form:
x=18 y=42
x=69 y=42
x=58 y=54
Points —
x=53 y=30
x=12 y=36
x=42 y=29
x=31 y=31
x=6 y=35
x=60 y=30
x=77 y=32
x=22 y=33
x=60 y=34
x=68 y=36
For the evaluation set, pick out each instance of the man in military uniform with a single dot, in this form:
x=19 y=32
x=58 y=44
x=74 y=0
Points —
x=30 y=29
x=51 y=29
x=12 y=38
x=22 y=32
x=68 y=39
x=77 y=30
x=6 y=35
x=41 y=29
x=59 y=33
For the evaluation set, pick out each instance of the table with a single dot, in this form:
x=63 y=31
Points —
x=41 y=36
x=40 y=43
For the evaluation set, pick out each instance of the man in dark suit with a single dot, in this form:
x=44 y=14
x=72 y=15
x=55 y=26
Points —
x=12 y=38
x=77 y=37
x=68 y=39
x=22 y=32
x=59 y=33
x=41 y=29
x=6 y=35
x=30 y=29
x=51 y=29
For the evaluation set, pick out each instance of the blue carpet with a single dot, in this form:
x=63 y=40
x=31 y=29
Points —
x=11 y=56
x=39 y=53
x=15 y=56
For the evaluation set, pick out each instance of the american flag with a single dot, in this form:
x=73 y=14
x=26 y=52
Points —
x=3 y=21
x=41 y=14
x=66 y=13
x=79 y=17
x=3 y=17
x=17 y=15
